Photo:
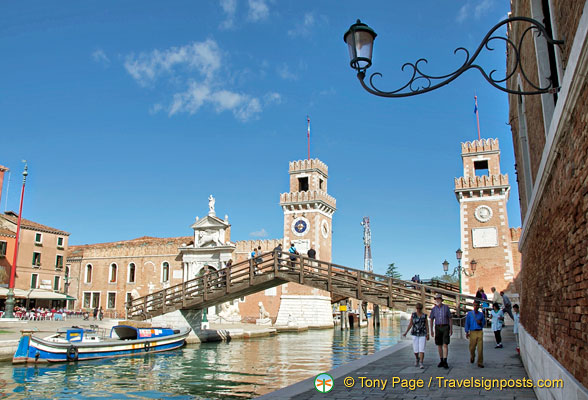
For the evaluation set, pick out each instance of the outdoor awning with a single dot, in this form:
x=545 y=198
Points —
x=35 y=294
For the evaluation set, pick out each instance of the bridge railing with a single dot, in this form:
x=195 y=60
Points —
x=302 y=269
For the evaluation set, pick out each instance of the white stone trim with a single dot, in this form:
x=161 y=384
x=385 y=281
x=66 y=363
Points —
x=575 y=76
x=484 y=198
x=539 y=364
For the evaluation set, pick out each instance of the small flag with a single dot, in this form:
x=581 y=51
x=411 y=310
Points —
x=475 y=104
x=308 y=131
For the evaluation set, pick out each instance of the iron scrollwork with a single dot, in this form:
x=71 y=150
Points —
x=420 y=82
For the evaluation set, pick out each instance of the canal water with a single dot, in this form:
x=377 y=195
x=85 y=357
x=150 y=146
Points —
x=237 y=369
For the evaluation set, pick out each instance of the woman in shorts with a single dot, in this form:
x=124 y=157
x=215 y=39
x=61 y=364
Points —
x=420 y=334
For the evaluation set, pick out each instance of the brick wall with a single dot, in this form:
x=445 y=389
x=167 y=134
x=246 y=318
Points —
x=554 y=275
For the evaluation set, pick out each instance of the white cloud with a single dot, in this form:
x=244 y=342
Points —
x=210 y=89
x=285 y=73
x=261 y=233
x=477 y=11
x=230 y=9
x=202 y=56
x=100 y=57
x=258 y=10
x=303 y=28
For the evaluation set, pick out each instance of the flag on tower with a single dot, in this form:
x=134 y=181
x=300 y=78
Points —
x=308 y=135
x=477 y=115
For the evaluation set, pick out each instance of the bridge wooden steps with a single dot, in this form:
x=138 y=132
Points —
x=276 y=268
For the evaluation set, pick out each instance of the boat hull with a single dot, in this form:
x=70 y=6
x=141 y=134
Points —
x=36 y=350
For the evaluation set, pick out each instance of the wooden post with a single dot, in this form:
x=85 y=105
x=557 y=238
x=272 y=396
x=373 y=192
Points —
x=228 y=279
x=163 y=304
x=183 y=294
x=360 y=313
x=145 y=306
x=358 y=285
x=329 y=275
x=204 y=287
x=251 y=271
x=423 y=296
x=376 y=315
x=390 y=298
x=275 y=263
x=301 y=269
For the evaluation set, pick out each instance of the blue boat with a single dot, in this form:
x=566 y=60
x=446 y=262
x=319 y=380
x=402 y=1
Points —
x=77 y=344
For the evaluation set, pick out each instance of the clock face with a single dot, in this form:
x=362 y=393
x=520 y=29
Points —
x=300 y=226
x=483 y=213
x=325 y=228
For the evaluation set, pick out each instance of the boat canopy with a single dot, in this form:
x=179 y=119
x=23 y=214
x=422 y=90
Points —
x=125 y=332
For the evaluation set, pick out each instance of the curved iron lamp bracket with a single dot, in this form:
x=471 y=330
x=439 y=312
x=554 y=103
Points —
x=421 y=82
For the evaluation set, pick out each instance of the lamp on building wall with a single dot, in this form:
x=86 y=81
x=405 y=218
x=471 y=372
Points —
x=459 y=269
x=360 y=41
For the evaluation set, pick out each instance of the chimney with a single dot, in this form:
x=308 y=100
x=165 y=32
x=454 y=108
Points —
x=2 y=171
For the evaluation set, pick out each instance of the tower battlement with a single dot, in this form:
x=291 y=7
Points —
x=479 y=146
x=311 y=196
x=485 y=181
x=309 y=165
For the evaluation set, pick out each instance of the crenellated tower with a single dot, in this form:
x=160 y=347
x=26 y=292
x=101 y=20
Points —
x=308 y=208
x=483 y=193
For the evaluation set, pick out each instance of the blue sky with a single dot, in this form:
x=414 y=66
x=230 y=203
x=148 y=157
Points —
x=131 y=113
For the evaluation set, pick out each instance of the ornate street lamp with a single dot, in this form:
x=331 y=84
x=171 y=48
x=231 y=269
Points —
x=459 y=269
x=360 y=40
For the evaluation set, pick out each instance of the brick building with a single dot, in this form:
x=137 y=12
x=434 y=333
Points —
x=41 y=258
x=486 y=237
x=550 y=135
x=108 y=274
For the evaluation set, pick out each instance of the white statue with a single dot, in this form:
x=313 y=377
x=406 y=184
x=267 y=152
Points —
x=229 y=313
x=211 y=202
x=208 y=236
x=263 y=314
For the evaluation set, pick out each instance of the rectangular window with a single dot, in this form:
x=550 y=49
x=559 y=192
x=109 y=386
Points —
x=95 y=299
x=524 y=150
x=111 y=300
x=87 y=298
x=59 y=262
x=60 y=242
x=303 y=184
x=481 y=168
x=129 y=298
x=34 y=281
x=320 y=184
x=36 y=259
x=56 y=282
x=38 y=238
x=3 y=247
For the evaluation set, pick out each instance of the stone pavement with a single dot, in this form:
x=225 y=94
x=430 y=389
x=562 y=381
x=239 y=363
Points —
x=399 y=362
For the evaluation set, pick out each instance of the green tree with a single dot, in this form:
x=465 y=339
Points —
x=446 y=278
x=392 y=272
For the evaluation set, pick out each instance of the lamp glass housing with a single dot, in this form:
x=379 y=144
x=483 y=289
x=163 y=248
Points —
x=445 y=266
x=458 y=254
x=360 y=42
x=473 y=264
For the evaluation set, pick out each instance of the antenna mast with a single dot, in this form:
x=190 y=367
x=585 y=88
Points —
x=367 y=242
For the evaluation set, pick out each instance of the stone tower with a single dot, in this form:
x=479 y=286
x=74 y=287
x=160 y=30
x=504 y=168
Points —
x=308 y=209
x=308 y=215
x=482 y=193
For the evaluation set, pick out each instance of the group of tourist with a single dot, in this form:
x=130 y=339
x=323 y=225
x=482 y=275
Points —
x=441 y=327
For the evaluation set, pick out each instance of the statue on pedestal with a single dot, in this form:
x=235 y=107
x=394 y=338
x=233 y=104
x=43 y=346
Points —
x=264 y=318
x=211 y=202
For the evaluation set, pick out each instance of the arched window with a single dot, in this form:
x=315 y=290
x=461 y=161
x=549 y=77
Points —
x=113 y=271
x=131 y=273
x=165 y=272
x=89 y=273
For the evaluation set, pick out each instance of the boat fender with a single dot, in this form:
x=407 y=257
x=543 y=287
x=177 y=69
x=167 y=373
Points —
x=147 y=347
x=72 y=353
x=37 y=355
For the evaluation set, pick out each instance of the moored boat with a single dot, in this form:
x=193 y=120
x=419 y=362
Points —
x=77 y=344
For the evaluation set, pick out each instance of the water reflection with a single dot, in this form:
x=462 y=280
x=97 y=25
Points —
x=239 y=369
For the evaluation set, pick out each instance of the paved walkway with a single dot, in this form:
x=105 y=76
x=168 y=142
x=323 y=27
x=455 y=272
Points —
x=398 y=362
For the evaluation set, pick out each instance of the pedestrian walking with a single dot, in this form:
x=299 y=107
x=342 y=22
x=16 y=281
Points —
x=497 y=319
x=515 y=328
x=293 y=253
x=420 y=334
x=95 y=313
x=474 y=329
x=100 y=314
x=496 y=297
x=506 y=305
x=443 y=329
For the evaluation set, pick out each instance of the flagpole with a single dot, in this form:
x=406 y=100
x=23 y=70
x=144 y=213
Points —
x=308 y=136
x=477 y=116
x=10 y=295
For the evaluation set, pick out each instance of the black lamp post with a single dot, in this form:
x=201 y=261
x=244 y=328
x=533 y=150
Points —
x=459 y=269
x=360 y=40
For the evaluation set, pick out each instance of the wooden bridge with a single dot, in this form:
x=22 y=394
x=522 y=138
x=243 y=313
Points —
x=276 y=268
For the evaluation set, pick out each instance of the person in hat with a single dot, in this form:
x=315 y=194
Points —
x=474 y=329
x=441 y=329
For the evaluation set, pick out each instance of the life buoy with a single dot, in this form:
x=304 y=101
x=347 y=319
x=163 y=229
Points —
x=147 y=347
x=72 y=353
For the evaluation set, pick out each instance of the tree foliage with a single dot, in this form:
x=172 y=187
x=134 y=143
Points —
x=446 y=278
x=392 y=272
